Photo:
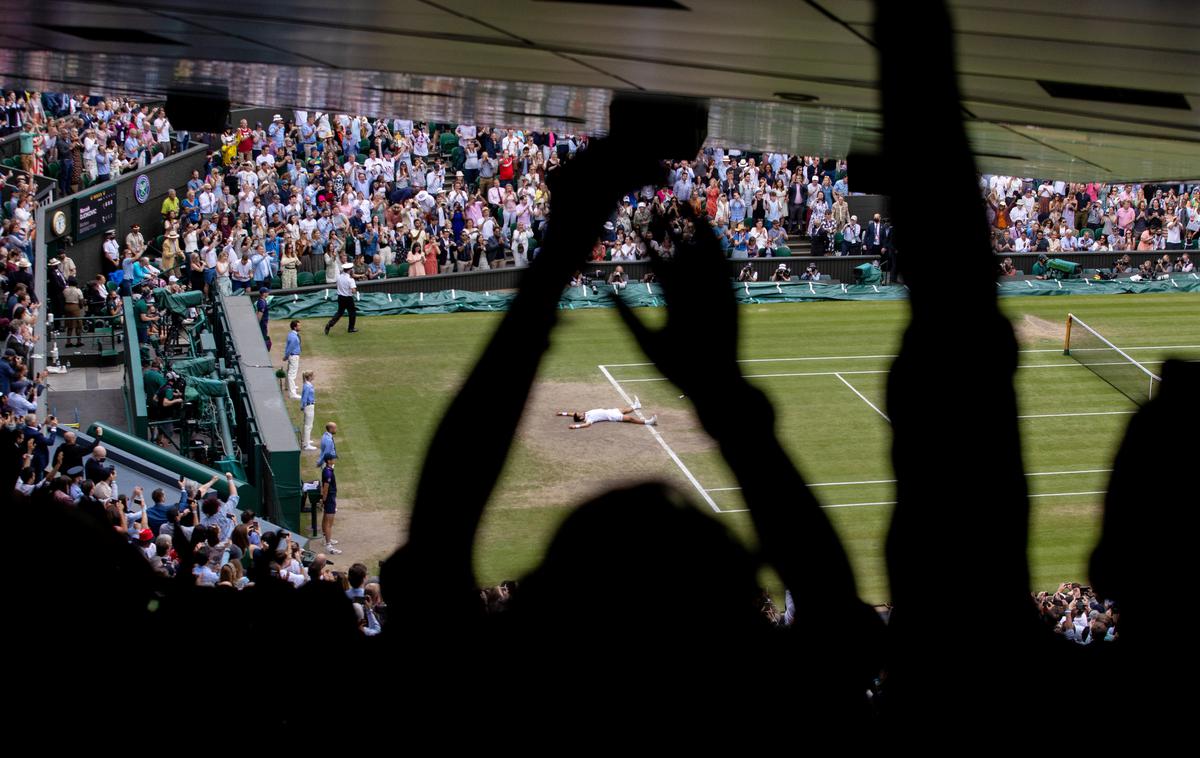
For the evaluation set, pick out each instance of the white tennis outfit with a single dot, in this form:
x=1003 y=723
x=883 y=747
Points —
x=603 y=414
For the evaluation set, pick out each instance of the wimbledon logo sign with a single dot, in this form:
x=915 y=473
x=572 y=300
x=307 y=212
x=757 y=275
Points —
x=141 y=188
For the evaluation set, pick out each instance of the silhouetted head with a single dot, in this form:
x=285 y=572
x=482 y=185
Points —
x=640 y=560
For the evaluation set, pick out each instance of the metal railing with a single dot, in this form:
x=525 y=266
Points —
x=98 y=335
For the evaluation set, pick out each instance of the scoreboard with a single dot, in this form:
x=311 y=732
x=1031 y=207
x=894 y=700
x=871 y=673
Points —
x=95 y=212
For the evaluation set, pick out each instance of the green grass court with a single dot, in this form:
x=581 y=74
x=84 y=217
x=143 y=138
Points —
x=824 y=366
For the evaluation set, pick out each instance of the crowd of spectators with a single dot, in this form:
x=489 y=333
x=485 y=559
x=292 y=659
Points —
x=1055 y=217
x=313 y=193
x=80 y=140
x=184 y=528
x=1078 y=614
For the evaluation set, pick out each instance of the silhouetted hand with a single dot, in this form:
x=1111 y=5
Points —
x=583 y=194
x=699 y=341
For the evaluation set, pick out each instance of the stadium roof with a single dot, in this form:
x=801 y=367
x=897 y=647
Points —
x=1096 y=90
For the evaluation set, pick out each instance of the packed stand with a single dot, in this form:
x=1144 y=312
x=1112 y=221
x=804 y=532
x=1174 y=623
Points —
x=1057 y=218
x=80 y=140
x=188 y=527
x=385 y=198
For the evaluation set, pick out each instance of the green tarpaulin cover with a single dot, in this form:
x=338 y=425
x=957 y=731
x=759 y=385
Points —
x=198 y=387
x=202 y=366
x=323 y=304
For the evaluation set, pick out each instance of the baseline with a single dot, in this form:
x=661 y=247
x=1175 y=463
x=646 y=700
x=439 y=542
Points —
x=884 y=371
x=893 y=502
x=690 y=477
x=865 y=357
x=893 y=481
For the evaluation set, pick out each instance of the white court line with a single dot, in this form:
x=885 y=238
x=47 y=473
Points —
x=865 y=357
x=888 y=371
x=893 y=502
x=863 y=398
x=819 y=484
x=893 y=481
x=1089 y=413
x=764 y=376
x=628 y=402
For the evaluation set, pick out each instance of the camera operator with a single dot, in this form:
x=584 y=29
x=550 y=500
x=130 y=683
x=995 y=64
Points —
x=142 y=306
x=618 y=278
x=782 y=274
x=811 y=274
x=747 y=274
x=166 y=405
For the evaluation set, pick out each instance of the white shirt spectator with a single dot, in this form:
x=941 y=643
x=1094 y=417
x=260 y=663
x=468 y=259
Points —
x=112 y=250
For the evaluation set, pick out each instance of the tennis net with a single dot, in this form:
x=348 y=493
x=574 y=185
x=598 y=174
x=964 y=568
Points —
x=1109 y=362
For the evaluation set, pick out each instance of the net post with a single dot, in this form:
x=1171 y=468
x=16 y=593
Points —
x=1067 y=338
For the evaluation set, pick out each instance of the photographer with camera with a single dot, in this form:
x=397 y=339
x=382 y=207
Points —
x=811 y=274
x=782 y=273
x=618 y=278
x=166 y=405
x=747 y=274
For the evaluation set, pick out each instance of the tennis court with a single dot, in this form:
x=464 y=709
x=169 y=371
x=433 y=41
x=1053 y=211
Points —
x=832 y=418
x=824 y=368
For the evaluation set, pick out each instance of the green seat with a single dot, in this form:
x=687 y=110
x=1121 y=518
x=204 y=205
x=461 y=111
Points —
x=393 y=271
x=361 y=158
x=158 y=241
x=9 y=162
x=87 y=179
x=401 y=269
x=319 y=278
x=276 y=283
x=304 y=279
x=53 y=170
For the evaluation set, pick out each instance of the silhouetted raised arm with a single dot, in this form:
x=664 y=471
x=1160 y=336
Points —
x=433 y=573
x=960 y=525
x=697 y=349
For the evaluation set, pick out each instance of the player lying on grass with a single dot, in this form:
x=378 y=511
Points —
x=596 y=415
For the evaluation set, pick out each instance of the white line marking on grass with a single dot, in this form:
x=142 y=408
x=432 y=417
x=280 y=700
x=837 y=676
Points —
x=1089 y=413
x=764 y=376
x=628 y=402
x=893 y=481
x=868 y=357
x=885 y=371
x=863 y=398
x=893 y=502
x=819 y=484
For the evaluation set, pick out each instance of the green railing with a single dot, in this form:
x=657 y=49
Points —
x=137 y=415
x=99 y=336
